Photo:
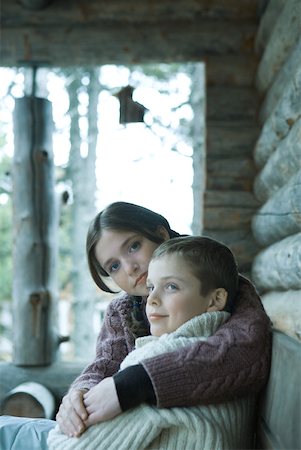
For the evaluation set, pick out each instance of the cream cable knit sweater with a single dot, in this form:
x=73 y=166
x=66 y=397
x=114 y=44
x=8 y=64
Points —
x=223 y=426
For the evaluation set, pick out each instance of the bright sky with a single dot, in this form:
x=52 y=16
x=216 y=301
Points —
x=133 y=163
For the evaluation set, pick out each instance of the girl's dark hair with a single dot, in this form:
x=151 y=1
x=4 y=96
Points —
x=212 y=263
x=122 y=216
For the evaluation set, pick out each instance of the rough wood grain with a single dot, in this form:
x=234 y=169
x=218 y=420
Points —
x=230 y=167
x=283 y=38
x=280 y=216
x=231 y=70
x=278 y=267
x=284 y=309
x=287 y=71
x=280 y=122
x=109 y=42
x=267 y=23
x=281 y=166
x=231 y=138
x=35 y=224
x=232 y=103
x=227 y=218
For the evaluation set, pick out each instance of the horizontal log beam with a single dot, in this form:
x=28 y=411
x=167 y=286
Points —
x=278 y=266
x=231 y=139
x=231 y=103
x=230 y=198
x=230 y=167
x=227 y=218
x=283 y=38
x=230 y=70
x=281 y=215
x=284 y=309
x=279 y=124
x=123 y=43
x=282 y=165
x=72 y=13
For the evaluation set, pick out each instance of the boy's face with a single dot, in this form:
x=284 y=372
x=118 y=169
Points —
x=174 y=295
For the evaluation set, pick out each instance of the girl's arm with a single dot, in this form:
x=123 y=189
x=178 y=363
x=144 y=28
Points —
x=232 y=363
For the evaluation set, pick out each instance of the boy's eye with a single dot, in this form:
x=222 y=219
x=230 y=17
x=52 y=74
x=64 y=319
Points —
x=150 y=288
x=134 y=247
x=171 y=287
x=113 y=267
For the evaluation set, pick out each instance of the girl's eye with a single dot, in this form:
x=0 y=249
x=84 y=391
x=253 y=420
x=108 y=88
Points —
x=113 y=267
x=134 y=247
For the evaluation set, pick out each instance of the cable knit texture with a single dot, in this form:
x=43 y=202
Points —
x=234 y=362
x=224 y=426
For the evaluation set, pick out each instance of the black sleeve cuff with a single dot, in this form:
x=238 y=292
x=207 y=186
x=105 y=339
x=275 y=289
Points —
x=134 y=387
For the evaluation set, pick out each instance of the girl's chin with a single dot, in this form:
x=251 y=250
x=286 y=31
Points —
x=141 y=291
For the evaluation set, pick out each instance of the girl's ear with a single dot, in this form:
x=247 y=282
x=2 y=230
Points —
x=163 y=233
x=218 y=300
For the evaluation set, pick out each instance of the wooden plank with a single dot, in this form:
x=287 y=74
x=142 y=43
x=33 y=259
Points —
x=230 y=70
x=283 y=38
x=123 y=43
x=280 y=216
x=280 y=122
x=281 y=401
x=230 y=198
x=239 y=183
x=231 y=103
x=230 y=167
x=278 y=266
x=281 y=166
x=72 y=13
x=284 y=310
x=227 y=218
x=267 y=23
x=231 y=138
x=35 y=226
x=288 y=70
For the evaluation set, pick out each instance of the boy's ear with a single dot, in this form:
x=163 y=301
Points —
x=163 y=233
x=218 y=300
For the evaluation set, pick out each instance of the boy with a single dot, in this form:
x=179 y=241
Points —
x=192 y=284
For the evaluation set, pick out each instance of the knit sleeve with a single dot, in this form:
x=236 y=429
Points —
x=234 y=362
x=114 y=342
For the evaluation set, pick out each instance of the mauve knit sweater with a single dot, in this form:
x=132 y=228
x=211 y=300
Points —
x=234 y=362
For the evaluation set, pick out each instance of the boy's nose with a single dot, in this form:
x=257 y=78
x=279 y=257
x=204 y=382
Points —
x=153 y=298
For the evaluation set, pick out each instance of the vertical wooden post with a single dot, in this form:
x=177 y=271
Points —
x=35 y=242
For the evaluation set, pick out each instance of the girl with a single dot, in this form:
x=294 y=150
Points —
x=232 y=363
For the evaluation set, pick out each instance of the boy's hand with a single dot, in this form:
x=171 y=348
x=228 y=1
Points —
x=72 y=413
x=101 y=402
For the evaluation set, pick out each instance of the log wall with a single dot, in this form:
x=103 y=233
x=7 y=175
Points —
x=276 y=225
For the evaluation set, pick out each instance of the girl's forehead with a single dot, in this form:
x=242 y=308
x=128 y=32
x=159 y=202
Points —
x=111 y=243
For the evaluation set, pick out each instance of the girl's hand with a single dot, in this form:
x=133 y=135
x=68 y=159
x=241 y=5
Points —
x=102 y=402
x=72 y=413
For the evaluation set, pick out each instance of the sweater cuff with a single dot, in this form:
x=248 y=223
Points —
x=134 y=387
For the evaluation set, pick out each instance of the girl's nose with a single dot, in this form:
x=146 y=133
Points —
x=132 y=267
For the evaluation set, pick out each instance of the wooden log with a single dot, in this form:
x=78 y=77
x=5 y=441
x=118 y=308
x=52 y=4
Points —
x=279 y=124
x=70 y=13
x=267 y=23
x=56 y=377
x=227 y=218
x=287 y=71
x=278 y=267
x=29 y=399
x=123 y=42
x=230 y=70
x=230 y=198
x=280 y=403
x=280 y=216
x=239 y=183
x=231 y=138
x=283 y=38
x=284 y=310
x=231 y=103
x=281 y=166
x=230 y=167
x=35 y=231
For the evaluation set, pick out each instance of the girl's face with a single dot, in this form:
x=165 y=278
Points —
x=125 y=256
x=174 y=295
